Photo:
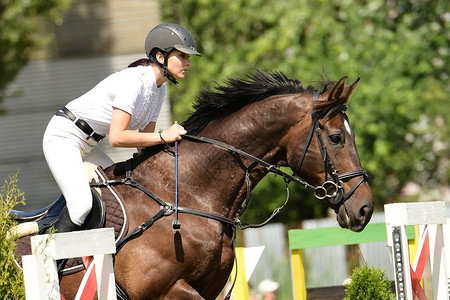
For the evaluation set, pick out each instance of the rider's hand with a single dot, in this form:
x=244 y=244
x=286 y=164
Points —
x=173 y=133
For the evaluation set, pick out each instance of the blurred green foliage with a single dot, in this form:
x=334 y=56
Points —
x=400 y=49
x=11 y=277
x=20 y=21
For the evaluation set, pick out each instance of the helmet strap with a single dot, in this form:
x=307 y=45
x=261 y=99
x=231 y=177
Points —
x=164 y=67
x=166 y=70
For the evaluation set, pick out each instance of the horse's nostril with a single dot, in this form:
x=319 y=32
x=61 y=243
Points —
x=366 y=211
x=363 y=211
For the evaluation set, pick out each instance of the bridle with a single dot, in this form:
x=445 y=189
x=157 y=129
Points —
x=332 y=190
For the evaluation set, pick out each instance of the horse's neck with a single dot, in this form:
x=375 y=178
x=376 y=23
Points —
x=257 y=130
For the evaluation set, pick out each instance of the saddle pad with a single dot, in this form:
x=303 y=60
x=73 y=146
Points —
x=115 y=217
x=115 y=210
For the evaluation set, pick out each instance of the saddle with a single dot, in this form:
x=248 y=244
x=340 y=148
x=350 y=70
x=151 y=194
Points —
x=107 y=211
x=47 y=216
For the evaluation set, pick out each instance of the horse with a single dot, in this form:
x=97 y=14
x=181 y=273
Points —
x=194 y=191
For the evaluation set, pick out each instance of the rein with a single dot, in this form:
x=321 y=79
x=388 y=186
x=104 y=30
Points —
x=271 y=168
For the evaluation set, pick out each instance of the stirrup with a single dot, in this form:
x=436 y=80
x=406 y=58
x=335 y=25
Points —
x=65 y=224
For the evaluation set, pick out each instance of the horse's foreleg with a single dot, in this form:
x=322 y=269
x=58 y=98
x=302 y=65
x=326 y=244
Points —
x=182 y=290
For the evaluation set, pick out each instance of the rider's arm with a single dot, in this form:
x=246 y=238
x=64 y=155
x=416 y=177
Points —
x=120 y=136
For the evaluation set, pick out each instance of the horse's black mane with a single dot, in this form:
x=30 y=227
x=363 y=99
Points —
x=236 y=93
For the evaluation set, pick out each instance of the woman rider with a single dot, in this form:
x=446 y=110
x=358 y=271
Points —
x=125 y=106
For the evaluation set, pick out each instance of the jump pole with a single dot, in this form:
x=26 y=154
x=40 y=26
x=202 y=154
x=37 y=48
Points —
x=39 y=268
x=431 y=218
x=300 y=239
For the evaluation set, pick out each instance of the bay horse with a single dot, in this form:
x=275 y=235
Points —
x=238 y=133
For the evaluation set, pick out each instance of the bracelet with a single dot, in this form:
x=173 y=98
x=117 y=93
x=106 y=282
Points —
x=160 y=136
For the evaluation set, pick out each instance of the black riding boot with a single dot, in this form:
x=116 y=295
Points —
x=65 y=224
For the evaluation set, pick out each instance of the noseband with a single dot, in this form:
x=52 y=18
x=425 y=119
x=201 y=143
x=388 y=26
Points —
x=331 y=190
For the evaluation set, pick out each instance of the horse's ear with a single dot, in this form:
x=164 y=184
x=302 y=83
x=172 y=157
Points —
x=348 y=90
x=337 y=90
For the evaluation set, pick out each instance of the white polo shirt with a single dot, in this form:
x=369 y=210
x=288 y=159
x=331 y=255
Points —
x=133 y=90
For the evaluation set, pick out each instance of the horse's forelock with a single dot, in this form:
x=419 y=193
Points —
x=324 y=108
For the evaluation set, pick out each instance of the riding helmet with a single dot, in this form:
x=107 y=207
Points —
x=170 y=36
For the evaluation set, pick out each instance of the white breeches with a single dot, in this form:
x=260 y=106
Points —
x=65 y=150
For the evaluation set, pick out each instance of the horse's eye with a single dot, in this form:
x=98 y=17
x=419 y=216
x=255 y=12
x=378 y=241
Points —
x=335 y=138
